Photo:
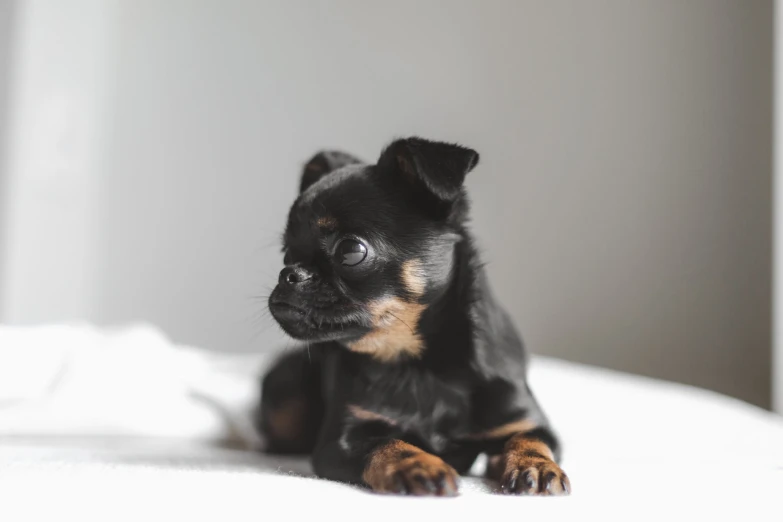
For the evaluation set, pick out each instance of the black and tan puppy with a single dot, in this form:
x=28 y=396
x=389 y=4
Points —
x=411 y=368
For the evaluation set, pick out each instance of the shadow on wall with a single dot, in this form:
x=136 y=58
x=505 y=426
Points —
x=6 y=38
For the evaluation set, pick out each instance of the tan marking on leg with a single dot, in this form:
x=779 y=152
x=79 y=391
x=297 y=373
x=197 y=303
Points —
x=399 y=467
x=395 y=330
x=495 y=467
x=521 y=445
x=287 y=421
x=528 y=468
x=362 y=414
x=505 y=430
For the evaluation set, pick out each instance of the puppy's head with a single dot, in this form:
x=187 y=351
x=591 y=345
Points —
x=369 y=247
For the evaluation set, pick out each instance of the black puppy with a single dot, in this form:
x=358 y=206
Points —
x=412 y=369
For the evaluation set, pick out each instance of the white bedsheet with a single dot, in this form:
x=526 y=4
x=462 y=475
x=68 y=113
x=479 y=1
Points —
x=124 y=425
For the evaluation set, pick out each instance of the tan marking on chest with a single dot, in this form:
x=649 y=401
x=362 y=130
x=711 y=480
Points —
x=396 y=321
x=360 y=413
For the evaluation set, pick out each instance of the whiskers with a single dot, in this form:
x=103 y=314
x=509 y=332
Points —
x=260 y=318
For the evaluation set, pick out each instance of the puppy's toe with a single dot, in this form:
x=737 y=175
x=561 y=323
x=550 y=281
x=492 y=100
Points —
x=420 y=475
x=531 y=476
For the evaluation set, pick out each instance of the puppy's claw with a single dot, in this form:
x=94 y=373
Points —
x=446 y=485
x=398 y=484
x=509 y=485
x=549 y=482
x=424 y=485
x=529 y=481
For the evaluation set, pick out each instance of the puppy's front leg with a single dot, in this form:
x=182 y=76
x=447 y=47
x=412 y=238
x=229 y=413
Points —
x=527 y=465
x=386 y=464
x=398 y=467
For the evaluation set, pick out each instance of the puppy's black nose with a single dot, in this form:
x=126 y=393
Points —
x=293 y=275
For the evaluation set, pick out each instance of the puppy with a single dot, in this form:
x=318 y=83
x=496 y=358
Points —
x=411 y=368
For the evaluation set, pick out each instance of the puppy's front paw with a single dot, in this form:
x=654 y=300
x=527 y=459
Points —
x=420 y=474
x=528 y=475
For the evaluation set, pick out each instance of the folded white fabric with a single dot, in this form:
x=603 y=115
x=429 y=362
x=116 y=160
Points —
x=80 y=380
x=635 y=448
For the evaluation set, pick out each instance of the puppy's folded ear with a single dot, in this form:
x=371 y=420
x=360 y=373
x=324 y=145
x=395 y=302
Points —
x=439 y=167
x=322 y=164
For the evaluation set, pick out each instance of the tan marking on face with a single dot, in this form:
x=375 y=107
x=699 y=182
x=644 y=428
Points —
x=395 y=330
x=326 y=222
x=396 y=321
x=505 y=430
x=360 y=413
x=413 y=277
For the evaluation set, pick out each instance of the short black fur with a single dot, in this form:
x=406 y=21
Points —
x=409 y=355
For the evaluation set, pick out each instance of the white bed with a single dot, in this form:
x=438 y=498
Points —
x=123 y=425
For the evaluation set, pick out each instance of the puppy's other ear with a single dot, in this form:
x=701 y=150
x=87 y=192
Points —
x=439 y=167
x=322 y=164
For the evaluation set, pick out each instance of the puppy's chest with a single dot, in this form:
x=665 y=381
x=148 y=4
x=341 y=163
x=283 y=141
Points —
x=433 y=408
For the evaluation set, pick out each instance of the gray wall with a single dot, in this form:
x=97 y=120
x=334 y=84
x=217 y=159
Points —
x=623 y=200
x=777 y=205
x=6 y=25
x=61 y=76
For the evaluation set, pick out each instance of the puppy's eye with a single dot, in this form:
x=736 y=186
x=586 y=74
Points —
x=350 y=252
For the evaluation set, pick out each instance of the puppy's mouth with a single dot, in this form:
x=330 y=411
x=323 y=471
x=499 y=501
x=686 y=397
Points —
x=307 y=323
